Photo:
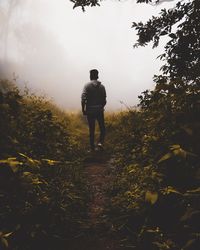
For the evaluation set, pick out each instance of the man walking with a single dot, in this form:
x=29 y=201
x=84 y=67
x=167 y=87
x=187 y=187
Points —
x=93 y=100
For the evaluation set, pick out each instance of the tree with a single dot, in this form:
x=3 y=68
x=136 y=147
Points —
x=182 y=25
x=182 y=51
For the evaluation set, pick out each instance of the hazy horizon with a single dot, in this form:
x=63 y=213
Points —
x=52 y=47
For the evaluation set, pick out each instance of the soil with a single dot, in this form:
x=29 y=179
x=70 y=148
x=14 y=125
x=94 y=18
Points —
x=99 y=235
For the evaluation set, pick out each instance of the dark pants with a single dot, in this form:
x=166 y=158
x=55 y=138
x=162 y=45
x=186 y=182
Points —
x=91 y=122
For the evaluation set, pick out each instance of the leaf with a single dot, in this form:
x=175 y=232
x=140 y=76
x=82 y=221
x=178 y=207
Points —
x=194 y=191
x=4 y=242
x=36 y=181
x=175 y=146
x=162 y=245
x=27 y=173
x=151 y=197
x=7 y=235
x=23 y=155
x=12 y=162
x=165 y=157
x=173 y=36
x=164 y=32
x=169 y=190
x=191 y=244
x=180 y=152
x=156 y=230
x=51 y=162
x=188 y=130
x=30 y=160
x=190 y=215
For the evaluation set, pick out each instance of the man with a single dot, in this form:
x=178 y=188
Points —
x=93 y=100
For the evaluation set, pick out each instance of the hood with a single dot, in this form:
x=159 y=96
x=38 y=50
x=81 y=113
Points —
x=96 y=83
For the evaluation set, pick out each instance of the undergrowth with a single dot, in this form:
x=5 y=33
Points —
x=42 y=190
x=155 y=195
x=154 y=152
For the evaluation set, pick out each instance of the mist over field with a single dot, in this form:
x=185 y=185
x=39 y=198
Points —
x=50 y=47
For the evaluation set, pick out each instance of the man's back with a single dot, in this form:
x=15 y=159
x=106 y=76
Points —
x=94 y=95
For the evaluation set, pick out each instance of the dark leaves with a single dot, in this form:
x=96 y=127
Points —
x=182 y=50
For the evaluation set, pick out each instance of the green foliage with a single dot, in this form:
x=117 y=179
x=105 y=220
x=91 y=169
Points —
x=32 y=125
x=40 y=201
x=181 y=24
x=156 y=162
x=42 y=191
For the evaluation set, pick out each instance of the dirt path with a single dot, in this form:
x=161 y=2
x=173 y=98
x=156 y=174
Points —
x=97 y=172
x=97 y=179
x=97 y=230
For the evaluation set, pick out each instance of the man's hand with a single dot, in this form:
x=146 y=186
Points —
x=83 y=104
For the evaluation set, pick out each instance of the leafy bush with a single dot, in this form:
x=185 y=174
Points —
x=42 y=191
x=157 y=162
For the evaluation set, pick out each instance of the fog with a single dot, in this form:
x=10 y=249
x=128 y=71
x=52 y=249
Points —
x=50 y=47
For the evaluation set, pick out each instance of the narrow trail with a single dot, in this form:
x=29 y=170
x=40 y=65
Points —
x=97 y=233
x=98 y=175
x=97 y=178
x=96 y=207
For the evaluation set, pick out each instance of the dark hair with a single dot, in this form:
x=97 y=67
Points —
x=94 y=74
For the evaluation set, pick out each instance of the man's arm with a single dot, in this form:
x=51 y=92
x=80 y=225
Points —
x=84 y=100
x=104 y=96
x=83 y=104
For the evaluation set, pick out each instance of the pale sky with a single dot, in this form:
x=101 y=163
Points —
x=52 y=47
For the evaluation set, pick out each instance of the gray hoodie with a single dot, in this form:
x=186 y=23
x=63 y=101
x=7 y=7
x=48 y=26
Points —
x=94 y=96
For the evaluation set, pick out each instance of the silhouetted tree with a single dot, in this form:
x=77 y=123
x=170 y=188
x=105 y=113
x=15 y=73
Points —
x=182 y=25
x=182 y=51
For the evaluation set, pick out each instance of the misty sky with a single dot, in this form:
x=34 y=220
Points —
x=52 y=47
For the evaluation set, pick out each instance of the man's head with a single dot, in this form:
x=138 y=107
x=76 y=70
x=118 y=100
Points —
x=94 y=74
